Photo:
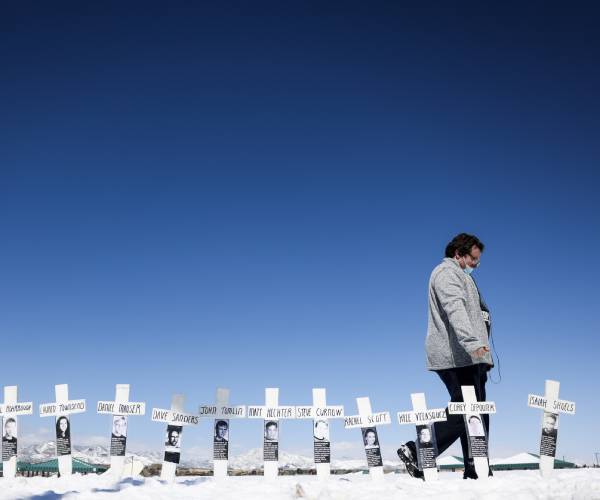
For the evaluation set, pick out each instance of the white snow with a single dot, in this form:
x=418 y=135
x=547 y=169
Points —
x=580 y=484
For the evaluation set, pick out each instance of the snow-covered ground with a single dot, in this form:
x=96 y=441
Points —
x=578 y=484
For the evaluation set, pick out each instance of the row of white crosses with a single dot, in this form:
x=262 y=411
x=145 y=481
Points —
x=472 y=410
x=271 y=413
x=319 y=413
x=423 y=419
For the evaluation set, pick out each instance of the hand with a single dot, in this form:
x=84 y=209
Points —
x=480 y=353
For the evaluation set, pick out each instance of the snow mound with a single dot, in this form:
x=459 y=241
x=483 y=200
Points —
x=580 y=484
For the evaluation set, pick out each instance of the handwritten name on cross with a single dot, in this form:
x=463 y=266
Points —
x=320 y=414
x=121 y=408
x=551 y=406
x=175 y=419
x=61 y=409
x=476 y=432
x=367 y=421
x=10 y=411
x=426 y=443
x=271 y=413
x=221 y=412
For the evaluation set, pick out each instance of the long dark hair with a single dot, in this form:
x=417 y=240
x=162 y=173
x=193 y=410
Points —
x=59 y=431
x=463 y=243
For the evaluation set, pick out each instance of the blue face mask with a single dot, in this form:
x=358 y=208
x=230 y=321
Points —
x=468 y=269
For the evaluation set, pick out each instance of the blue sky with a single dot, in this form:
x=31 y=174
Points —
x=252 y=197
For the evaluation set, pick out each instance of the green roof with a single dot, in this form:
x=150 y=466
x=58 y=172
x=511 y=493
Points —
x=52 y=466
x=558 y=464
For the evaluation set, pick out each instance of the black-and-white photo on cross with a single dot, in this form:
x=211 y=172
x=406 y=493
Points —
x=118 y=436
x=173 y=438
x=271 y=430
x=550 y=425
x=63 y=435
x=549 y=435
x=119 y=427
x=271 y=441
x=9 y=438
x=221 y=445
x=221 y=434
x=321 y=447
x=370 y=439
x=173 y=443
x=475 y=424
x=478 y=444
x=426 y=447
x=321 y=430
x=425 y=436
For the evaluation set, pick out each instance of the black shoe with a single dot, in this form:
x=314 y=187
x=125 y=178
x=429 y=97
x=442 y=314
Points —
x=408 y=454
x=470 y=471
x=470 y=474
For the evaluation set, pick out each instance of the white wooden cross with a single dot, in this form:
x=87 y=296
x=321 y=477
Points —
x=367 y=421
x=120 y=409
x=271 y=413
x=320 y=414
x=552 y=406
x=175 y=419
x=476 y=432
x=9 y=411
x=221 y=412
x=426 y=442
x=61 y=409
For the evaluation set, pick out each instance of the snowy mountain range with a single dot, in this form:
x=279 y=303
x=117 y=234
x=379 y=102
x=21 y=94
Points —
x=253 y=459
x=91 y=454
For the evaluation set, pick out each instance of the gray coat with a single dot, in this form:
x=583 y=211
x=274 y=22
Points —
x=456 y=326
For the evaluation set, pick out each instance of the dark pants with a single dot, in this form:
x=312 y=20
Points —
x=448 y=432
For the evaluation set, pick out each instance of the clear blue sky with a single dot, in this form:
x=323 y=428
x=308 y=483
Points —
x=252 y=197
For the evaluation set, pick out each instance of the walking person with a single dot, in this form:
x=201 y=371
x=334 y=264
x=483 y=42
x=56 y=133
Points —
x=457 y=343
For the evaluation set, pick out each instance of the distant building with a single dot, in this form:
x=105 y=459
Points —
x=50 y=468
x=524 y=461
x=521 y=461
